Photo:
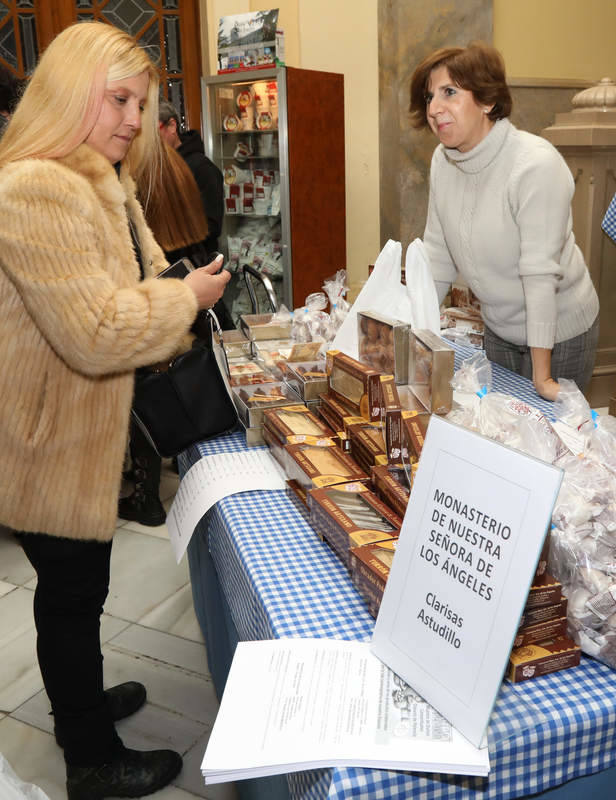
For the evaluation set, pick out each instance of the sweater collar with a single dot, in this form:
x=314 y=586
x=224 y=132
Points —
x=483 y=153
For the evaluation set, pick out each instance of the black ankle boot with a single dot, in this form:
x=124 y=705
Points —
x=130 y=773
x=142 y=507
x=122 y=701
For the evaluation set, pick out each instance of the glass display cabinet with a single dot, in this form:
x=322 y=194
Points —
x=278 y=137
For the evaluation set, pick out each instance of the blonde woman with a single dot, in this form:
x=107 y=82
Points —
x=80 y=309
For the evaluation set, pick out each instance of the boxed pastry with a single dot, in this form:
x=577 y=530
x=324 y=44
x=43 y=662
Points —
x=319 y=464
x=383 y=344
x=245 y=371
x=369 y=566
x=414 y=428
x=278 y=447
x=391 y=484
x=355 y=384
x=431 y=365
x=410 y=402
x=307 y=378
x=294 y=420
x=541 y=631
x=533 y=660
x=545 y=590
x=251 y=401
x=367 y=443
x=349 y=515
x=391 y=417
x=544 y=613
x=263 y=326
x=254 y=436
x=334 y=411
x=235 y=344
x=284 y=351
x=299 y=497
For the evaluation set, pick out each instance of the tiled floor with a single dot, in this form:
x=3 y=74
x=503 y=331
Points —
x=150 y=633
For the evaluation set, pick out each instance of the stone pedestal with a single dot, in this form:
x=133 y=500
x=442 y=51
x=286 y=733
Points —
x=586 y=137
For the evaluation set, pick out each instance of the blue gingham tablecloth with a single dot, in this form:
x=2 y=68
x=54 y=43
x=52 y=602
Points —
x=280 y=580
x=609 y=220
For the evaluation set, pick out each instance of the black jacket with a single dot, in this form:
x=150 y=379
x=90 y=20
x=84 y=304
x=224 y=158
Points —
x=210 y=182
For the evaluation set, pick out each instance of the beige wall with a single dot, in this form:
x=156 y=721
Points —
x=338 y=37
x=557 y=38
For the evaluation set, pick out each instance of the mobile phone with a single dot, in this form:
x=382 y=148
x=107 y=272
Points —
x=179 y=269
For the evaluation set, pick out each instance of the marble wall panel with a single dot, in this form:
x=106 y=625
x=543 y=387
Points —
x=407 y=33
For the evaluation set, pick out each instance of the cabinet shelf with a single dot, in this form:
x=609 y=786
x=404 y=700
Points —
x=249 y=131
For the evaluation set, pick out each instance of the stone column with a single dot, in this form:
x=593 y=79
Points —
x=586 y=137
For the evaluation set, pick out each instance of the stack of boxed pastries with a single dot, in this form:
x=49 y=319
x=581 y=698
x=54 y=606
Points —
x=541 y=644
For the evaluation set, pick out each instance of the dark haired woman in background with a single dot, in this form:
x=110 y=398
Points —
x=499 y=215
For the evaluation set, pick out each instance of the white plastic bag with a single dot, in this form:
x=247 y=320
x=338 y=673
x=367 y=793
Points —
x=12 y=788
x=383 y=293
x=425 y=314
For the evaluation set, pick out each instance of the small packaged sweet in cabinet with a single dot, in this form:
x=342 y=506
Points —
x=392 y=485
x=355 y=384
x=251 y=401
x=314 y=466
x=369 y=566
x=431 y=365
x=349 y=515
x=307 y=378
x=235 y=344
x=383 y=344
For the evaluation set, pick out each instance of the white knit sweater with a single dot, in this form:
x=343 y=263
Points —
x=500 y=216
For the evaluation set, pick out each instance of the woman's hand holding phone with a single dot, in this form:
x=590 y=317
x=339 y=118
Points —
x=208 y=283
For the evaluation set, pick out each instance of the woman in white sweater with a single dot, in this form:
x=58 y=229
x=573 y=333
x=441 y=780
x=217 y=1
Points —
x=499 y=215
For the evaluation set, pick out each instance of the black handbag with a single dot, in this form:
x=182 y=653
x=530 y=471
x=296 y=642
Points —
x=186 y=401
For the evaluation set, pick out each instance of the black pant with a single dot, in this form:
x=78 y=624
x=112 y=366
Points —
x=73 y=582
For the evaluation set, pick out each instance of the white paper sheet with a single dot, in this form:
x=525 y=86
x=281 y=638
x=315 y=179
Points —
x=293 y=704
x=212 y=478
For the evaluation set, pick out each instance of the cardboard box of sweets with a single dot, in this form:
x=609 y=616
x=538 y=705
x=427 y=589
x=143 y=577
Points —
x=307 y=378
x=541 y=631
x=245 y=371
x=537 y=614
x=369 y=566
x=431 y=365
x=414 y=429
x=277 y=448
x=349 y=515
x=316 y=465
x=391 y=417
x=334 y=412
x=294 y=420
x=251 y=401
x=367 y=443
x=260 y=326
x=355 y=384
x=545 y=591
x=299 y=497
x=534 y=660
x=383 y=344
x=235 y=344
x=391 y=485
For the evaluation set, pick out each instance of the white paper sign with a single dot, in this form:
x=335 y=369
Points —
x=212 y=478
x=472 y=534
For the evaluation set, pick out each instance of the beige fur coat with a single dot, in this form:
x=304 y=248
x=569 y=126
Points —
x=75 y=321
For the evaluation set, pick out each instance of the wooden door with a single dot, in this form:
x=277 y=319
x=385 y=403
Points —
x=168 y=29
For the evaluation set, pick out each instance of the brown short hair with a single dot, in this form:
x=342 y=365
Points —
x=479 y=68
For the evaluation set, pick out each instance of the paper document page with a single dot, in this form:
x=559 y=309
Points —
x=292 y=704
x=212 y=478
